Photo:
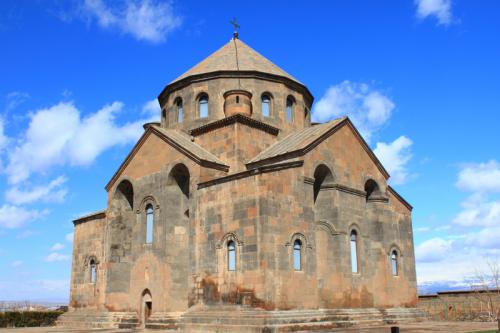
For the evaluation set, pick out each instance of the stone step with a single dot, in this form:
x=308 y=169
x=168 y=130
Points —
x=94 y=319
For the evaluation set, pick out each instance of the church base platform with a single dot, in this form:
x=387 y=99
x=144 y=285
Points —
x=224 y=319
x=92 y=319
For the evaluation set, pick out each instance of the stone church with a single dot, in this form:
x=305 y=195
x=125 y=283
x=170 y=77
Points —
x=236 y=213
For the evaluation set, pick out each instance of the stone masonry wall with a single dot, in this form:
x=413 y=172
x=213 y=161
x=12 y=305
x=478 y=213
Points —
x=88 y=243
x=215 y=89
x=235 y=144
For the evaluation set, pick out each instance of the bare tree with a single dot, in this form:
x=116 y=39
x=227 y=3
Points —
x=486 y=288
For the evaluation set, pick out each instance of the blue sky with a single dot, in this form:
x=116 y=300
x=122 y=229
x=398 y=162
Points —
x=420 y=79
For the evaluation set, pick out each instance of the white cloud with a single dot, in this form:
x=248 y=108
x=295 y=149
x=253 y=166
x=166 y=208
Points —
x=367 y=108
x=143 y=19
x=395 y=157
x=486 y=238
x=69 y=237
x=152 y=109
x=16 y=263
x=481 y=177
x=26 y=234
x=478 y=211
x=12 y=217
x=59 y=135
x=14 y=99
x=433 y=250
x=48 y=193
x=458 y=266
x=55 y=257
x=3 y=138
x=478 y=222
x=56 y=247
x=22 y=289
x=99 y=132
x=441 y=9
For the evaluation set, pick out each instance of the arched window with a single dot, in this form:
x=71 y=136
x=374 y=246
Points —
x=231 y=256
x=354 y=251
x=394 y=262
x=371 y=189
x=124 y=194
x=266 y=105
x=164 y=116
x=93 y=271
x=180 y=110
x=289 y=109
x=203 y=106
x=297 y=254
x=149 y=224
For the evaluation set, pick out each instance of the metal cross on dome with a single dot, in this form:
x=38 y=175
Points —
x=236 y=27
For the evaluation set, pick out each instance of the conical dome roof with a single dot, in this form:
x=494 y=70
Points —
x=234 y=56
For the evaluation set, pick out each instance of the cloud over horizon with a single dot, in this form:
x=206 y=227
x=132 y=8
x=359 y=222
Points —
x=476 y=230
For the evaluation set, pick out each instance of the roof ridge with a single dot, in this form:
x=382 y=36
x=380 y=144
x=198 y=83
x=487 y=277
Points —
x=186 y=137
x=172 y=137
x=291 y=141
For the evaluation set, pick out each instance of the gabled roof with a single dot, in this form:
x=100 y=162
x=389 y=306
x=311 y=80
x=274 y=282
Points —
x=301 y=142
x=184 y=144
x=235 y=56
x=100 y=214
x=179 y=141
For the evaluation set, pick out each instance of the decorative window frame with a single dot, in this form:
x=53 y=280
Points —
x=293 y=100
x=356 y=228
x=198 y=111
x=271 y=103
x=306 y=245
x=222 y=253
x=142 y=217
x=399 y=261
x=328 y=226
x=88 y=272
x=176 y=109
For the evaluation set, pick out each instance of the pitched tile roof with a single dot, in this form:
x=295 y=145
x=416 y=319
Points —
x=301 y=142
x=224 y=59
x=183 y=141
x=297 y=141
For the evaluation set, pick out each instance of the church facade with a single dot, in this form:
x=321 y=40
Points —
x=237 y=213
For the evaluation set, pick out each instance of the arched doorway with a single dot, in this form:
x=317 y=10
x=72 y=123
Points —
x=146 y=307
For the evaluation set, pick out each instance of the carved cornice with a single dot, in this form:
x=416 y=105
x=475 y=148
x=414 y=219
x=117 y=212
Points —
x=237 y=118
x=337 y=186
x=378 y=198
x=235 y=74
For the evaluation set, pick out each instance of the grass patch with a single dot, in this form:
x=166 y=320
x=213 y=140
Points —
x=28 y=318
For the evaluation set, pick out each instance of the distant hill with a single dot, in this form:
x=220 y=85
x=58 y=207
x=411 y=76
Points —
x=427 y=288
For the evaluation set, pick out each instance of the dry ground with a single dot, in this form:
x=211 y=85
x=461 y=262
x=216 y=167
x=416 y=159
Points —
x=424 y=327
